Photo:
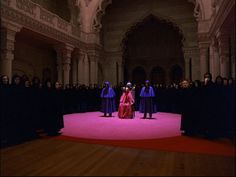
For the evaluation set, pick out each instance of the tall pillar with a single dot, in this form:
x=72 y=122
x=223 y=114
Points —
x=86 y=69
x=232 y=40
x=93 y=69
x=193 y=54
x=223 y=40
x=66 y=61
x=59 y=63
x=8 y=33
x=203 y=47
x=74 y=69
x=215 y=61
x=81 y=68
x=211 y=62
x=186 y=65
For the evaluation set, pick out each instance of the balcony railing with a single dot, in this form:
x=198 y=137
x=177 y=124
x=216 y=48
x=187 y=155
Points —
x=40 y=14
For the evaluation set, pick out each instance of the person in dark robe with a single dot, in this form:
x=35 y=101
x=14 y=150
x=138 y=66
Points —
x=188 y=109
x=108 y=100
x=5 y=110
x=29 y=130
x=146 y=103
x=37 y=102
x=209 y=126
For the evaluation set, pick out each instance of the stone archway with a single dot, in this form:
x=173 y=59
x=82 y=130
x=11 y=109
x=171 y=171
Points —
x=129 y=15
x=153 y=41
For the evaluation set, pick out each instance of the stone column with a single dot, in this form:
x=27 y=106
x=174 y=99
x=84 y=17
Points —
x=86 y=69
x=203 y=47
x=215 y=61
x=81 y=68
x=74 y=69
x=66 y=61
x=93 y=69
x=193 y=54
x=8 y=33
x=211 y=62
x=223 y=40
x=186 y=65
x=233 y=56
x=58 y=50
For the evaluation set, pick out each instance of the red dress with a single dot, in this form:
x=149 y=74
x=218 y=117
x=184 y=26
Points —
x=125 y=108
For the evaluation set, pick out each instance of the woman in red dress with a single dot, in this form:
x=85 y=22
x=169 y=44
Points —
x=126 y=101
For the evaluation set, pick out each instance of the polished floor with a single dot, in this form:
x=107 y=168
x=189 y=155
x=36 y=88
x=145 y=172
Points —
x=53 y=157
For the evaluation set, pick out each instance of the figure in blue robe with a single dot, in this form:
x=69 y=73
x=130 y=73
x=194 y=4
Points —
x=146 y=102
x=108 y=100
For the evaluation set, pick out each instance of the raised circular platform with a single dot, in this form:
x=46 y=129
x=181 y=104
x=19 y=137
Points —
x=92 y=125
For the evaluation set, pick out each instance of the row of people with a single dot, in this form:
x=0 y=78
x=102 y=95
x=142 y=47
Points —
x=24 y=108
x=126 y=105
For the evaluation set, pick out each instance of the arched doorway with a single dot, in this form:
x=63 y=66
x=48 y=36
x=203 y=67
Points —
x=146 y=34
x=138 y=75
x=153 y=41
x=157 y=75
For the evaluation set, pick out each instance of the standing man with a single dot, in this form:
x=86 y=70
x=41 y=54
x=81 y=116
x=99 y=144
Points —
x=108 y=100
x=146 y=103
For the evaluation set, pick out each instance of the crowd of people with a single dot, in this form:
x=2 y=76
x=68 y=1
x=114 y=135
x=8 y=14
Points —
x=27 y=106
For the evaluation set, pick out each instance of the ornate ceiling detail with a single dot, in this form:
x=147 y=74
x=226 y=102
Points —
x=100 y=11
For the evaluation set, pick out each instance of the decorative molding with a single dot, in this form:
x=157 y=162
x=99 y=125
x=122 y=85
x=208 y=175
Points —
x=27 y=6
x=100 y=11
x=8 y=32
x=190 y=50
x=49 y=25
x=220 y=16
x=46 y=16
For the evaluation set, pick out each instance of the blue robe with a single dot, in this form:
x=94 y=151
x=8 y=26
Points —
x=108 y=100
x=146 y=101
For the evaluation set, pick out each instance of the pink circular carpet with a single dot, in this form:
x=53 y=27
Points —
x=92 y=125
